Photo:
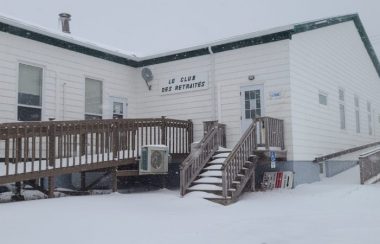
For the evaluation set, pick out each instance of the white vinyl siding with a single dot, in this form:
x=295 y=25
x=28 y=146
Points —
x=330 y=58
x=64 y=74
x=227 y=73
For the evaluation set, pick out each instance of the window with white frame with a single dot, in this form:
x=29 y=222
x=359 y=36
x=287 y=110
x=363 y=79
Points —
x=322 y=96
x=357 y=113
x=118 y=110
x=369 y=109
x=93 y=99
x=342 y=109
x=29 y=93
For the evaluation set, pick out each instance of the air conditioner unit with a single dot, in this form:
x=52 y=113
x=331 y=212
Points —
x=154 y=159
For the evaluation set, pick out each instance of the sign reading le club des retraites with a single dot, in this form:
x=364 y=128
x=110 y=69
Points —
x=185 y=83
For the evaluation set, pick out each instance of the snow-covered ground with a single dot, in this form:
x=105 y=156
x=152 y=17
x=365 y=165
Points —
x=336 y=210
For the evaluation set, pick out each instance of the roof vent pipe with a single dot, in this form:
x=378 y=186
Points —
x=65 y=18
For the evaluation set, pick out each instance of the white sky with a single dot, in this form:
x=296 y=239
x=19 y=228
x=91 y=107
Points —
x=146 y=27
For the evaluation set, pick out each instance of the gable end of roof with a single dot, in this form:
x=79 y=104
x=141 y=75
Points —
x=341 y=19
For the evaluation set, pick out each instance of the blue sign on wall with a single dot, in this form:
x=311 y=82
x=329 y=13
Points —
x=273 y=159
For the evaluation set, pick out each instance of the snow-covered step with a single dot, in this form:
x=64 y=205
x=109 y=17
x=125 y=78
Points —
x=211 y=173
x=223 y=149
x=202 y=194
x=209 y=180
x=214 y=167
x=217 y=161
x=205 y=187
x=221 y=155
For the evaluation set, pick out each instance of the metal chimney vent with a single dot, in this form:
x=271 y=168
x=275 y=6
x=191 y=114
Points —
x=65 y=18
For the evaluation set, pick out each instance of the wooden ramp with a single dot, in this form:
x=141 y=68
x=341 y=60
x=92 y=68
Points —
x=34 y=150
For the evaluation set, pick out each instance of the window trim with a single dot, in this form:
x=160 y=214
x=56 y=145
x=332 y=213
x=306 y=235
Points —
x=357 y=110
x=371 y=127
x=102 y=96
x=122 y=100
x=323 y=93
x=42 y=107
x=342 y=103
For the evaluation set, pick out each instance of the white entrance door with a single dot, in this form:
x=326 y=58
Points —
x=251 y=104
x=119 y=107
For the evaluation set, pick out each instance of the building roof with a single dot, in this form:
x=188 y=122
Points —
x=69 y=42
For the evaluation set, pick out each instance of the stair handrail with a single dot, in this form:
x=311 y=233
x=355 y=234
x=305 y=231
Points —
x=238 y=156
x=197 y=159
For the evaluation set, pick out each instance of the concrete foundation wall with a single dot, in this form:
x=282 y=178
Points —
x=336 y=167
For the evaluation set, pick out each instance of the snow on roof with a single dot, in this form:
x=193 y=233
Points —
x=64 y=36
x=10 y=20
x=226 y=40
x=128 y=58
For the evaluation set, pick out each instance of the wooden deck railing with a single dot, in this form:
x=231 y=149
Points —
x=370 y=167
x=29 y=147
x=238 y=157
x=209 y=125
x=198 y=158
x=270 y=133
x=263 y=132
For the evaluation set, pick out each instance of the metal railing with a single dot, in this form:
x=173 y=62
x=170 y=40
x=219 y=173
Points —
x=369 y=164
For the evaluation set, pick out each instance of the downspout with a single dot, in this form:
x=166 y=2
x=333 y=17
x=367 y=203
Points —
x=214 y=109
x=63 y=100
x=56 y=113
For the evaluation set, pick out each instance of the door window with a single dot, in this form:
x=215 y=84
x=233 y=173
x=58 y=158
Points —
x=252 y=100
x=251 y=104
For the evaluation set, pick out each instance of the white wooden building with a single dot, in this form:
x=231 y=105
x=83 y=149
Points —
x=320 y=77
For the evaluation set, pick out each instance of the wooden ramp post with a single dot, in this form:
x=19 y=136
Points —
x=83 y=181
x=51 y=186
x=114 y=179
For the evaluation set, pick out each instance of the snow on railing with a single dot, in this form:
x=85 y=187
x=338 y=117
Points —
x=33 y=147
x=263 y=132
x=198 y=158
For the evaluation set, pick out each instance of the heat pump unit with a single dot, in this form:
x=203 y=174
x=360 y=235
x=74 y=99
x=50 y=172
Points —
x=154 y=160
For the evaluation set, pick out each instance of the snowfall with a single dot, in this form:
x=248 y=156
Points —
x=335 y=210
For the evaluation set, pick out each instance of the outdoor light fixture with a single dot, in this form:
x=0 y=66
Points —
x=251 y=77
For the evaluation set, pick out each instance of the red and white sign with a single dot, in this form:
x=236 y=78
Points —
x=279 y=180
